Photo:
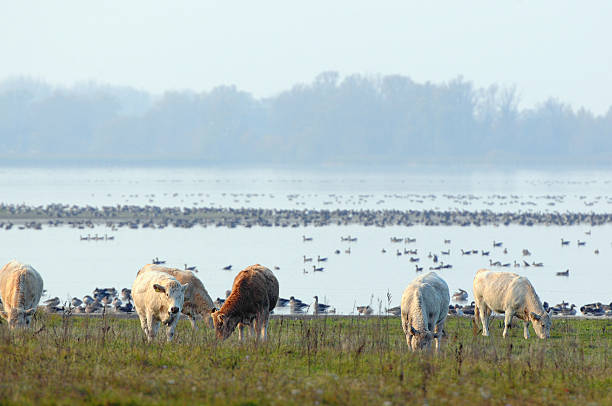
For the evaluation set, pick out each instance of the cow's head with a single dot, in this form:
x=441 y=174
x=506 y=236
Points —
x=173 y=296
x=18 y=317
x=420 y=339
x=541 y=324
x=224 y=325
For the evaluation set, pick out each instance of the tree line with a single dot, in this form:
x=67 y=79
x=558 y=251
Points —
x=332 y=121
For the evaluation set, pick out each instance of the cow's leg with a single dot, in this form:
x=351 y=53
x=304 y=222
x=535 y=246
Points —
x=170 y=329
x=484 y=319
x=151 y=328
x=526 y=329
x=154 y=328
x=263 y=328
x=439 y=330
x=143 y=324
x=240 y=331
x=507 y=320
x=193 y=322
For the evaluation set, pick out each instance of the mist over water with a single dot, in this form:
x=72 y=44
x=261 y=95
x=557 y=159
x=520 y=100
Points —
x=71 y=267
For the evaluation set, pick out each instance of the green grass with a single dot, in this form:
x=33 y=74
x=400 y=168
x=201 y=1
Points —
x=337 y=361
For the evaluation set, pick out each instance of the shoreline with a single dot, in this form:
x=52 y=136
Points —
x=83 y=217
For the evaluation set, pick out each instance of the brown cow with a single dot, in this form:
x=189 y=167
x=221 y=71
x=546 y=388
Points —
x=197 y=301
x=254 y=295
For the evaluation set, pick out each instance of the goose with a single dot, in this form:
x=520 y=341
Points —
x=460 y=295
x=447 y=241
x=446 y=266
x=526 y=253
x=506 y=265
x=395 y=311
x=76 y=302
x=413 y=259
x=315 y=269
x=304 y=238
x=87 y=300
x=365 y=310
x=126 y=294
x=505 y=250
x=319 y=259
x=219 y=302
x=227 y=268
x=468 y=252
x=319 y=307
x=282 y=302
x=581 y=243
x=537 y=264
x=563 y=242
x=157 y=261
x=383 y=250
x=516 y=264
x=447 y=252
x=564 y=273
x=53 y=302
x=497 y=244
x=485 y=253
x=348 y=250
x=525 y=264
x=596 y=252
x=418 y=268
x=429 y=255
x=307 y=259
x=296 y=305
x=191 y=268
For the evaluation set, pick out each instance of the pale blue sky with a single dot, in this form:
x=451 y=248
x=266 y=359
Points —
x=546 y=48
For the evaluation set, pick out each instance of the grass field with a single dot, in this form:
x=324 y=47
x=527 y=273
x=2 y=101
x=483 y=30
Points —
x=348 y=360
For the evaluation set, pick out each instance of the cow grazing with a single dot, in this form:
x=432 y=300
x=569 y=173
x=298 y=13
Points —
x=158 y=297
x=197 y=301
x=424 y=308
x=512 y=295
x=254 y=295
x=20 y=288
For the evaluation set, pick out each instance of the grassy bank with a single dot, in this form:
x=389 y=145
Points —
x=329 y=361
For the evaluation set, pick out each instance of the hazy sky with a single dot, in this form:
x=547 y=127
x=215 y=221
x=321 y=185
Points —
x=547 y=48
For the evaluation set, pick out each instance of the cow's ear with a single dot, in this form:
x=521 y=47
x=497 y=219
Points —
x=4 y=314
x=214 y=309
x=413 y=331
x=535 y=316
x=159 y=288
x=185 y=286
x=30 y=312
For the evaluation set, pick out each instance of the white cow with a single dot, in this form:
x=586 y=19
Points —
x=158 y=297
x=21 y=288
x=512 y=295
x=197 y=301
x=424 y=308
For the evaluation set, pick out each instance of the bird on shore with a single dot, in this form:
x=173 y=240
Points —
x=296 y=305
x=53 y=302
x=460 y=296
x=319 y=307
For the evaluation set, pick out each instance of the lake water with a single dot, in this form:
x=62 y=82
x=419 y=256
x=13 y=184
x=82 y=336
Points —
x=71 y=267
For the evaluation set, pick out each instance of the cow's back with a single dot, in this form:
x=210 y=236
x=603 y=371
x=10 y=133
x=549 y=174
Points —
x=196 y=294
x=427 y=295
x=498 y=289
x=21 y=286
x=255 y=288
